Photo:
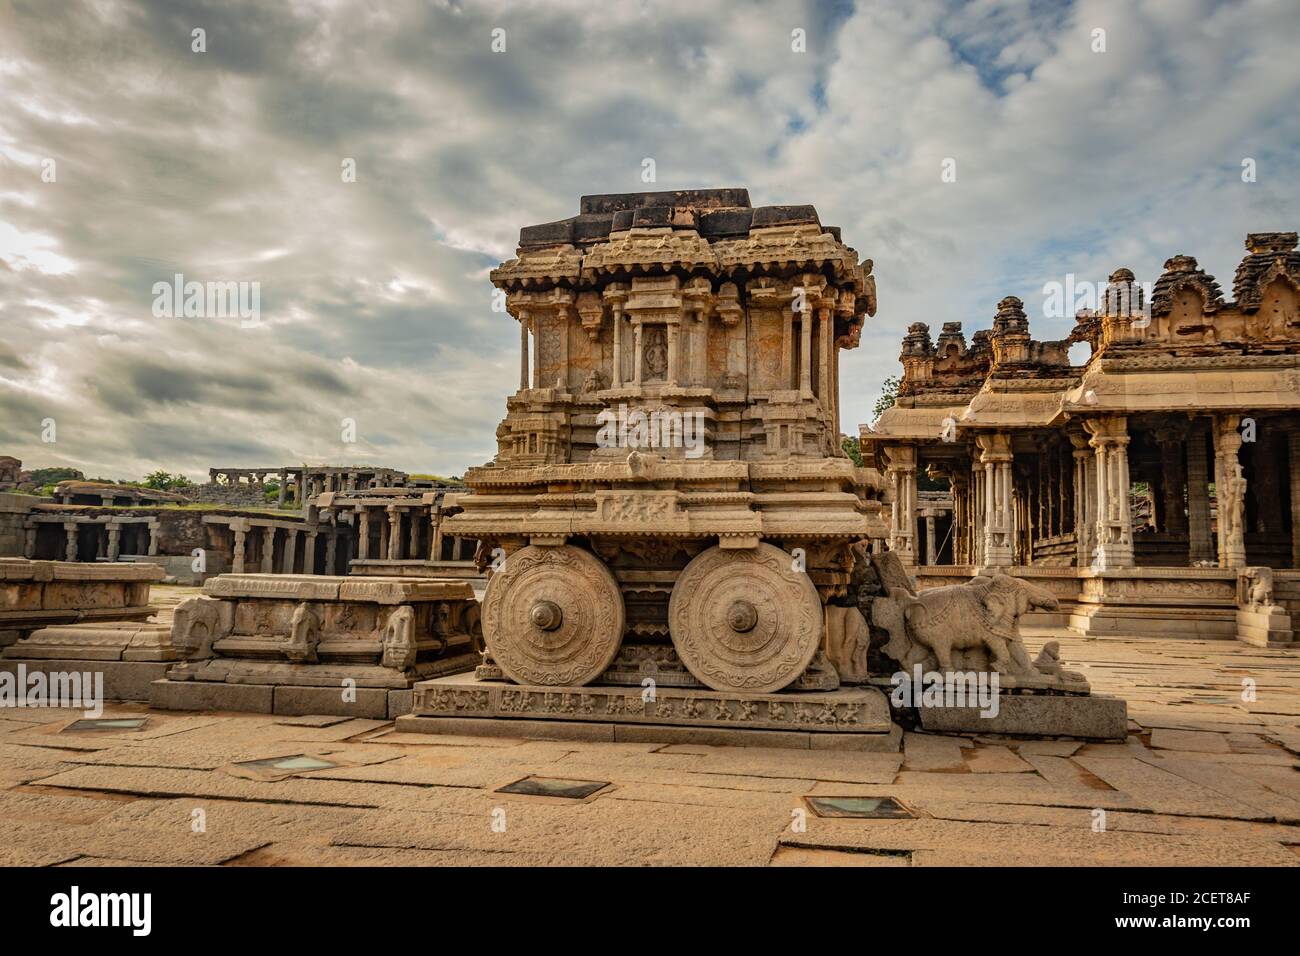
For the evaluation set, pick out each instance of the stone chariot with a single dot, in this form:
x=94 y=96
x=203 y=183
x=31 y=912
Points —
x=670 y=499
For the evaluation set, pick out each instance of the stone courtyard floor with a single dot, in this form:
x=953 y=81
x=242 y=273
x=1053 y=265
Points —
x=1206 y=778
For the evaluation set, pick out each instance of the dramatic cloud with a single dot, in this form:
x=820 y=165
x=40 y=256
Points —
x=225 y=166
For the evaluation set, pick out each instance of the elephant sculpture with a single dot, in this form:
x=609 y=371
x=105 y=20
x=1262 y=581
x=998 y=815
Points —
x=972 y=626
x=196 y=624
x=304 y=635
x=399 y=639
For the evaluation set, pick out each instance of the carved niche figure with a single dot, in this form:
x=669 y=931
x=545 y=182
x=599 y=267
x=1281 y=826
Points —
x=972 y=626
x=1236 y=503
x=656 y=352
x=847 y=642
x=852 y=641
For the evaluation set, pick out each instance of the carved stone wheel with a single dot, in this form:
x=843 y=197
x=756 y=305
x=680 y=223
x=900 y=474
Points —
x=553 y=616
x=745 y=620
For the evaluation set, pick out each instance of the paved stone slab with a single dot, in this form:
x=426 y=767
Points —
x=995 y=759
x=1165 y=792
x=1193 y=740
x=932 y=752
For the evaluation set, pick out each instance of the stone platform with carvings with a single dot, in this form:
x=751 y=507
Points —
x=842 y=719
x=313 y=644
x=65 y=616
x=36 y=594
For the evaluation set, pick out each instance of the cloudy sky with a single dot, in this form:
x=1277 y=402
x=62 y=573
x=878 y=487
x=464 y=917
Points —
x=226 y=165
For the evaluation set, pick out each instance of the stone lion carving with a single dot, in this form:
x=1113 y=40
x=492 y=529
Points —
x=304 y=635
x=1255 y=588
x=973 y=626
x=399 y=639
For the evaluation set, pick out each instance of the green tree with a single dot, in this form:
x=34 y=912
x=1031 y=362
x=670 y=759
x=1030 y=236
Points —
x=852 y=449
x=159 y=480
x=165 y=481
x=52 y=476
x=888 y=395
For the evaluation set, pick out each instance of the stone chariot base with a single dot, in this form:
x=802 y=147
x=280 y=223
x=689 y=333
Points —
x=855 y=718
x=264 y=687
x=1038 y=715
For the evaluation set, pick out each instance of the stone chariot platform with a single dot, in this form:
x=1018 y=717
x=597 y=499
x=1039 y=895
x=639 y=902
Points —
x=854 y=718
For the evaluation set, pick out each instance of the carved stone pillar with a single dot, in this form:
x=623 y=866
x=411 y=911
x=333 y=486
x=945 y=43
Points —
x=394 y=533
x=1085 y=495
x=114 y=540
x=1294 y=472
x=1041 y=527
x=787 y=345
x=616 y=372
x=1200 y=547
x=413 y=544
x=960 y=518
x=290 y=551
x=996 y=459
x=237 y=556
x=279 y=495
x=977 y=512
x=826 y=358
x=363 y=533
x=29 y=542
x=331 y=550
x=563 y=314
x=1172 y=468
x=902 y=477
x=435 y=546
x=1229 y=492
x=70 y=534
x=805 y=352
x=268 y=550
x=309 y=553
x=523 y=351
x=931 y=556
x=674 y=353
x=1114 y=525
x=528 y=336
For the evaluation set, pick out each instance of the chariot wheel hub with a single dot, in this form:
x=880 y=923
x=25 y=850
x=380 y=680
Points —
x=742 y=616
x=547 y=615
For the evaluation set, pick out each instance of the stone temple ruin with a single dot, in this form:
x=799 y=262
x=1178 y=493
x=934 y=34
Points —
x=1187 y=405
x=677 y=546
x=244 y=520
